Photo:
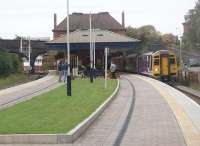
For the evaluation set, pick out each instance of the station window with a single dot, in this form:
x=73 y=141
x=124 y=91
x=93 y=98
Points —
x=156 y=62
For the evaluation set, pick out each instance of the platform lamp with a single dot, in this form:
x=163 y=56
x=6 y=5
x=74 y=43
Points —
x=69 y=87
x=180 y=54
x=91 y=50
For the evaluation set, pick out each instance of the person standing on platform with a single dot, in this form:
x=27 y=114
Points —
x=65 y=69
x=59 y=71
x=113 y=69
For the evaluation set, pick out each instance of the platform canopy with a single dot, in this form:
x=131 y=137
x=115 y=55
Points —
x=80 y=39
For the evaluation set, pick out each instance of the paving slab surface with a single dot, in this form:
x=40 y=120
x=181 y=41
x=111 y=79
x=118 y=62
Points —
x=151 y=123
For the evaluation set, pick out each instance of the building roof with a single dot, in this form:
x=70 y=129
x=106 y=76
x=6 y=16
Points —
x=80 y=39
x=83 y=36
x=101 y=20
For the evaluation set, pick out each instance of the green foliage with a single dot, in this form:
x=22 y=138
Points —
x=169 y=40
x=147 y=34
x=131 y=32
x=191 y=39
x=9 y=63
x=46 y=66
x=195 y=86
x=12 y=79
x=55 y=112
x=185 y=82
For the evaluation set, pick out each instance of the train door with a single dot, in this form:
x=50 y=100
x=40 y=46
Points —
x=165 y=66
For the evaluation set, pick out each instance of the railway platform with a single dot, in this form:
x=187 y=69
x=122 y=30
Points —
x=194 y=94
x=145 y=112
x=16 y=94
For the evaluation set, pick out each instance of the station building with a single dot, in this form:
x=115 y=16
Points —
x=106 y=32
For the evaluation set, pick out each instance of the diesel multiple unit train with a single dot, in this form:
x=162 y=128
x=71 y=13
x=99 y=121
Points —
x=161 y=65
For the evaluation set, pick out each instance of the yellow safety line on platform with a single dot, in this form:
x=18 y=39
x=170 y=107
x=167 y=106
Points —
x=190 y=132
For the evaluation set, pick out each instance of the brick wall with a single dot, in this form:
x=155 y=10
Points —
x=186 y=27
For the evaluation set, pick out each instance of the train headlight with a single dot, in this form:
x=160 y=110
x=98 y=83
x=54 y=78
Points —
x=156 y=69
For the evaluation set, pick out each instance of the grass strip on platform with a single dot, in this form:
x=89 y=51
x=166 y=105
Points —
x=55 y=112
x=195 y=86
x=12 y=80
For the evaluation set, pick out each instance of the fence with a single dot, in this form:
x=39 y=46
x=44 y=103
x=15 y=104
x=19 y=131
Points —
x=192 y=77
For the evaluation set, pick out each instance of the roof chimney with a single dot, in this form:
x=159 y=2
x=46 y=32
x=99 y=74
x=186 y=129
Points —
x=123 y=19
x=55 y=20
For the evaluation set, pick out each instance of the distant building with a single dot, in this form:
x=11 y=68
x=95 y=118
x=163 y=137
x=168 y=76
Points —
x=38 y=65
x=79 y=47
x=102 y=20
x=187 y=24
x=107 y=32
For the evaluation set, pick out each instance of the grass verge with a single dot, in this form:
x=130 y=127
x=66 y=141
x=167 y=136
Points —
x=55 y=112
x=12 y=80
x=195 y=86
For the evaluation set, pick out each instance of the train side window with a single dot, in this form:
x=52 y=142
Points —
x=156 y=62
x=172 y=61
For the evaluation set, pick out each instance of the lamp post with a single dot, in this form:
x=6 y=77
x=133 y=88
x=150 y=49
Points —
x=106 y=66
x=94 y=48
x=91 y=50
x=69 y=88
x=29 y=52
x=21 y=46
x=94 y=54
x=180 y=53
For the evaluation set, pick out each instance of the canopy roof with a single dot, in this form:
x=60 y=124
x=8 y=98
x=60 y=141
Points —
x=80 y=39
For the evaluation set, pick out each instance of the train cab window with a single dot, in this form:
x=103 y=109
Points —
x=156 y=56
x=172 y=61
x=156 y=62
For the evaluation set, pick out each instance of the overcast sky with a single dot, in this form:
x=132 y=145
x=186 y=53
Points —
x=35 y=17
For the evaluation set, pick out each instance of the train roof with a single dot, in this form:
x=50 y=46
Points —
x=146 y=54
x=163 y=52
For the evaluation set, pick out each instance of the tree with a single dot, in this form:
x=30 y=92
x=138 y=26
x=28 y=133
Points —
x=9 y=63
x=192 y=38
x=147 y=34
x=169 y=39
x=131 y=32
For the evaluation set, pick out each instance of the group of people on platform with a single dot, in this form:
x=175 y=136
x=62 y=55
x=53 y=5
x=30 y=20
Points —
x=62 y=70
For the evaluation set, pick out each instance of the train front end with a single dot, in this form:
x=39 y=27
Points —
x=164 y=65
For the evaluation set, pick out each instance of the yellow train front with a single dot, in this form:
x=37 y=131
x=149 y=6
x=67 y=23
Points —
x=164 y=65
